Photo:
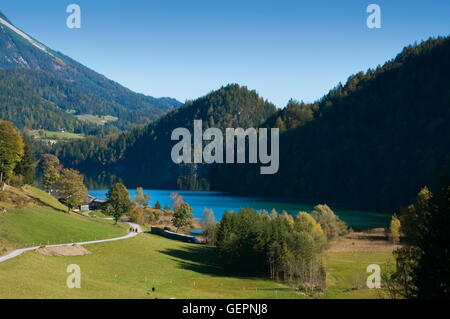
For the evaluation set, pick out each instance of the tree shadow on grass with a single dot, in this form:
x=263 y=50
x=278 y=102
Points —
x=204 y=260
x=201 y=259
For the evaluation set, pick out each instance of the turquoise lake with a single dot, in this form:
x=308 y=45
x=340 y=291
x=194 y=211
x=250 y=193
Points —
x=221 y=202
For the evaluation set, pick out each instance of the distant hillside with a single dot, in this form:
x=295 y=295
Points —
x=70 y=86
x=21 y=104
x=372 y=143
x=142 y=157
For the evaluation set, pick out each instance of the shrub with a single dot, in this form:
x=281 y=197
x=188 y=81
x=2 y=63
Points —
x=17 y=181
x=394 y=230
x=331 y=224
x=152 y=217
x=137 y=216
x=3 y=196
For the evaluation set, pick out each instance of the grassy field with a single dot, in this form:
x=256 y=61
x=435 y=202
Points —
x=98 y=214
x=129 y=269
x=121 y=269
x=99 y=120
x=35 y=226
x=347 y=274
x=347 y=261
x=50 y=135
x=42 y=220
x=43 y=198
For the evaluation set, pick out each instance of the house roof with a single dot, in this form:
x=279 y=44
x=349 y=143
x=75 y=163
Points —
x=100 y=200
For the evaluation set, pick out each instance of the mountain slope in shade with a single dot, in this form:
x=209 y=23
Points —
x=372 y=143
x=70 y=85
x=143 y=157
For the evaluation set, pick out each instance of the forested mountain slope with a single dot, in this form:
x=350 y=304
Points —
x=69 y=85
x=373 y=142
x=21 y=105
x=143 y=157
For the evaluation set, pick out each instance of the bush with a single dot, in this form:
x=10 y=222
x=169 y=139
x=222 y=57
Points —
x=152 y=217
x=20 y=201
x=330 y=223
x=394 y=230
x=3 y=196
x=137 y=216
x=17 y=181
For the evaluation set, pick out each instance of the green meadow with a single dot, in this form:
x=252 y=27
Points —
x=130 y=269
x=48 y=223
x=52 y=135
x=43 y=198
x=347 y=274
x=95 y=119
x=37 y=226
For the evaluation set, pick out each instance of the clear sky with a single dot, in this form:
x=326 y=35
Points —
x=187 y=48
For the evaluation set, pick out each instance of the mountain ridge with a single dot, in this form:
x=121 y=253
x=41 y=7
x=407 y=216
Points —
x=371 y=143
x=81 y=88
x=144 y=153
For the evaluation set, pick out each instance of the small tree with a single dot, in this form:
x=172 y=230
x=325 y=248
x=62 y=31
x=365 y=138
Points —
x=331 y=224
x=11 y=149
x=306 y=223
x=209 y=225
x=152 y=216
x=182 y=216
x=394 y=230
x=158 y=205
x=141 y=199
x=118 y=203
x=71 y=188
x=177 y=200
x=26 y=167
x=137 y=215
x=50 y=170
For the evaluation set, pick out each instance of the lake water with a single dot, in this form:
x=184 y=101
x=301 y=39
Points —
x=221 y=202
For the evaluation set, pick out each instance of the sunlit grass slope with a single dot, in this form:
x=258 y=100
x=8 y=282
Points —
x=347 y=274
x=129 y=269
x=43 y=220
x=40 y=226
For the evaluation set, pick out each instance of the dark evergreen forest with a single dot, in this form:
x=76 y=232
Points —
x=372 y=142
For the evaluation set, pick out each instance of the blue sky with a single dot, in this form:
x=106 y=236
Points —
x=187 y=48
